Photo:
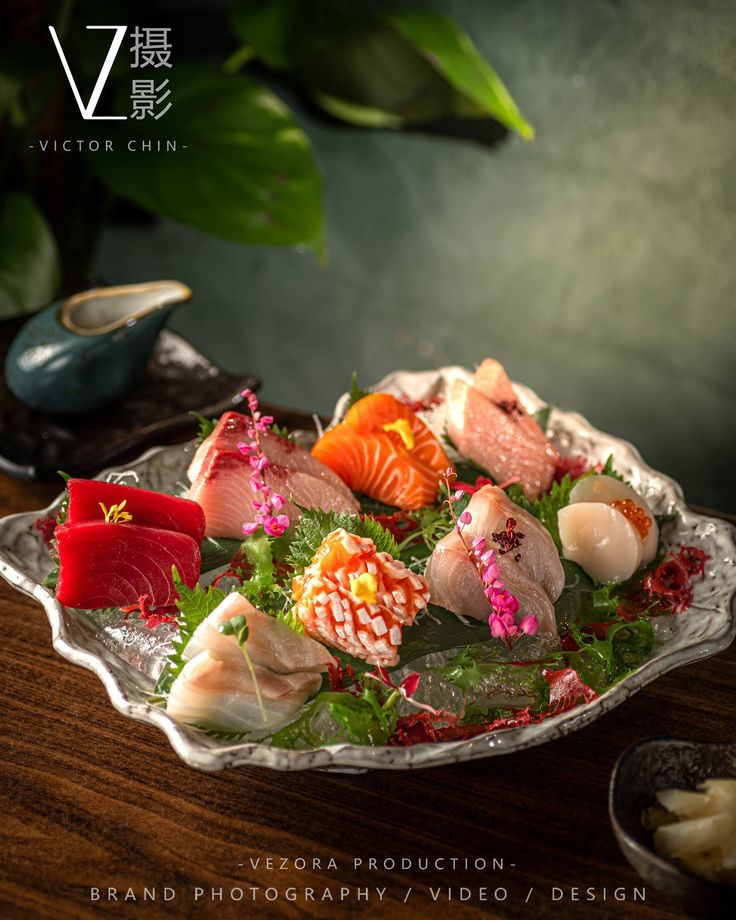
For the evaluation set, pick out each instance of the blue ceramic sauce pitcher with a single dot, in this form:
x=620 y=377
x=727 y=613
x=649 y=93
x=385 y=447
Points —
x=87 y=351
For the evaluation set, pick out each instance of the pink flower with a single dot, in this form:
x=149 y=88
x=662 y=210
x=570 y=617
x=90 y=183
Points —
x=465 y=517
x=407 y=688
x=529 y=624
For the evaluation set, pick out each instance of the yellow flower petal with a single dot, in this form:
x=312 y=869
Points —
x=402 y=427
x=364 y=587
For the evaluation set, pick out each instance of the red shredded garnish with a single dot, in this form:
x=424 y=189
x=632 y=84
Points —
x=574 y=467
x=669 y=588
x=343 y=678
x=152 y=618
x=566 y=690
x=400 y=524
x=419 y=405
x=469 y=488
x=46 y=525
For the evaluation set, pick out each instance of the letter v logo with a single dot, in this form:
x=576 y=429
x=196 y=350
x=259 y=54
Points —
x=88 y=111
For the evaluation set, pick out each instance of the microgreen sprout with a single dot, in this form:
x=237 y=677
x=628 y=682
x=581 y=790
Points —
x=238 y=627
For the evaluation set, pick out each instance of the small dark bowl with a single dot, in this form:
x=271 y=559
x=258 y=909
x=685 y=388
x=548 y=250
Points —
x=643 y=770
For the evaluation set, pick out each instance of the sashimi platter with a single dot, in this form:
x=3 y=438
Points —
x=451 y=569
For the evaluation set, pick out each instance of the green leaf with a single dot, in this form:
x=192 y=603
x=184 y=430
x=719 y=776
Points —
x=602 y=662
x=438 y=630
x=195 y=605
x=449 y=49
x=267 y=28
x=356 y=391
x=243 y=169
x=206 y=426
x=216 y=552
x=30 y=270
x=314 y=525
x=378 y=69
x=338 y=717
x=479 y=678
x=541 y=417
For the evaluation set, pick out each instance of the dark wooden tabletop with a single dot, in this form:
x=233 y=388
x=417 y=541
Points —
x=91 y=800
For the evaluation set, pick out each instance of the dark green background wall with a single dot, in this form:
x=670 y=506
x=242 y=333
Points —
x=597 y=263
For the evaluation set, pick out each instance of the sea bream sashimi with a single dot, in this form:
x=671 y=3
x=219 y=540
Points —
x=270 y=642
x=112 y=565
x=525 y=552
x=220 y=688
x=220 y=693
x=489 y=425
x=92 y=500
x=221 y=479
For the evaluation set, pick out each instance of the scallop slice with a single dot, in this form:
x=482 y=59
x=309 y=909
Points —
x=601 y=540
x=601 y=488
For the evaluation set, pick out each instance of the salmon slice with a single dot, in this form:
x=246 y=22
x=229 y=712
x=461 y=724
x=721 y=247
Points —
x=148 y=509
x=384 y=450
x=370 y=414
x=532 y=570
x=224 y=491
x=112 y=565
x=376 y=467
x=489 y=426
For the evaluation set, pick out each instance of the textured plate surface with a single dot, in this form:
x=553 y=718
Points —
x=115 y=654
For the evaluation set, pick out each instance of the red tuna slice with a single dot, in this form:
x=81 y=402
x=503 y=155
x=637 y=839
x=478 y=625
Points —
x=148 y=509
x=112 y=565
x=489 y=426
x=223 y=486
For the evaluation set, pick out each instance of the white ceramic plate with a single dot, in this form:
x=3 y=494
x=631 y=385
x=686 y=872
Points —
x=123 y=654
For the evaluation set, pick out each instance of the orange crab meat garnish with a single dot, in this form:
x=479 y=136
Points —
x=357 y=599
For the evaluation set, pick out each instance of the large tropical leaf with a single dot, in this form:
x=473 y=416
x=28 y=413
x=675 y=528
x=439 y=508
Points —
x=29 y=260
x=242 y=168
x=374 y=69
x=454 y=55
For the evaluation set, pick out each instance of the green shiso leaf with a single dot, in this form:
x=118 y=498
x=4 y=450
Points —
x=264 y=589
x=603 y=662
x=195 y=605
x=206 y=426
x=314 y=525
x=541 y=417
x=335 y=717
x=438 y=630
x=283 y=432
x=356 y=391
x=217 y=552
x=476 y=673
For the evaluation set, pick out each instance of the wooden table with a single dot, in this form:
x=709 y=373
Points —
x=90 y=800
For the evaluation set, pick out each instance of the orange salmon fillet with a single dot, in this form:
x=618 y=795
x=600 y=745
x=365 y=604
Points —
x=404 y=471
